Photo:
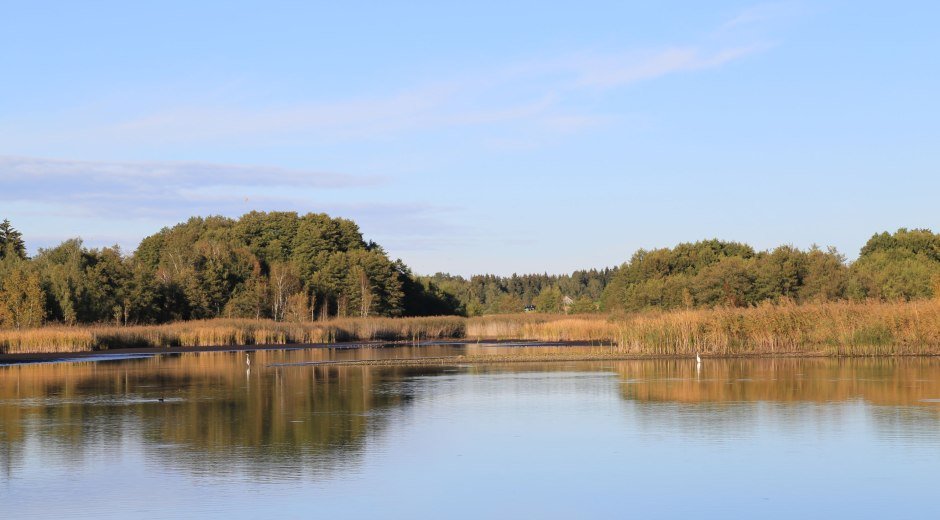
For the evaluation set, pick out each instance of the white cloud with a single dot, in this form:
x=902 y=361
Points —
x=158 y=187
x=105 y=203
x=620 y=71
x=527 y=93
x=15 y=169
x=759 y=14
x=515 y=98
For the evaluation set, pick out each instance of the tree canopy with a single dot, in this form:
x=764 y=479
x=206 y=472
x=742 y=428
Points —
x=11 y=242
x=286 y=266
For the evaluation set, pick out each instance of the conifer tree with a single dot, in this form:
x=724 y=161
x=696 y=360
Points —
x=11 y=242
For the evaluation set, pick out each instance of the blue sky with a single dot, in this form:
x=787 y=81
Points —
x=480 y=137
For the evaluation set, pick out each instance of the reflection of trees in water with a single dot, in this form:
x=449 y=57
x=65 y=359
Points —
x=726 y=423
x=904 y=424
x=883 y=381
x=737 y=395
x=727 y=398
x=11 y=456
x=216 y=417
x=287 y=421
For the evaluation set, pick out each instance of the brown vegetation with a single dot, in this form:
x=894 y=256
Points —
x=836 y=328
x=224 y=332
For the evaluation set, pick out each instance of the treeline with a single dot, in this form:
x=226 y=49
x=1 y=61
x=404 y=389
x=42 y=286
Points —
x=288 y=267
x=579 y=292
x=278 y=265
x=900 y=266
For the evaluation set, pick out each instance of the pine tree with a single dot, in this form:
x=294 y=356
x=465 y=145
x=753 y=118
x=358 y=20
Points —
x=11 y=242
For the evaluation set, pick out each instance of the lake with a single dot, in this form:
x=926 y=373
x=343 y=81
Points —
x=200 y=435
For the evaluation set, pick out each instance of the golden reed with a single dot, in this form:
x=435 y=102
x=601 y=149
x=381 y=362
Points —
x=835 y=328
x=223 y=332
x=838 y=328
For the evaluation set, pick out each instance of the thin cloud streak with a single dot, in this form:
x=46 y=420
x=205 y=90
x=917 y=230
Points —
x=521 y=95
x=160 y=188
x=528 y=95
x=758 y=14
x=105 y=197
x=622 y=71
x=14 y=169
x=523 y=105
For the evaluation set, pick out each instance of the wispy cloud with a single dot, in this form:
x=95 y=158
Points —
x=550 y=91
x=511 y=97
x=338 y=119
x=509 y=106
x=156 y=188
x=108 y=202
x=623 y=70
x=174 y=173
x=759 y=14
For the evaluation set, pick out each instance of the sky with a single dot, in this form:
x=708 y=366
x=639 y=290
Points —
x=472 y=137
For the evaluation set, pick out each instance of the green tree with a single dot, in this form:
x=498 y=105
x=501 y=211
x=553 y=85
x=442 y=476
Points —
x=583 y=305
x=11 y=242
x=729 y=282
x=284 y=284
x=508 y=303
x=21 y=296
x=64 y=279
x=827 y=276
x=904 y=265
x=108 y=280
x=915 y=241
x=549 y=300
x=894 y=275
x=250 y=300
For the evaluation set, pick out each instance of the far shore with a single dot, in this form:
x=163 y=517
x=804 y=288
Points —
x=581 y=351
x=41 y=357
x=837 y=329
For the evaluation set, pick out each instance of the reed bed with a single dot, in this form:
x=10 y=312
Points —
x=227 y=332
x=52 y=339
x=394 y=329
x=507 y=326
x=836 y=329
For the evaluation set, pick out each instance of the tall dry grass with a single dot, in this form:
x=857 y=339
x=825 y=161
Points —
x=225 y=332
x=51 y=339
x=837 y=328
x=841 y=328
x=506 y=326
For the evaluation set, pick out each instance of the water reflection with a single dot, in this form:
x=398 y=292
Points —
x=221 y=416
x=217 y=419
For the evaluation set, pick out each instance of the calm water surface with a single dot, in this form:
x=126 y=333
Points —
x=783 y=438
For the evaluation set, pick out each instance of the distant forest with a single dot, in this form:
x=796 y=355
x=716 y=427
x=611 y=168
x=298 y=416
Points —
x=291 y=267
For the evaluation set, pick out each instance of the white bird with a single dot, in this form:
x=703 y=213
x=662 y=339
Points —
x=247 y=360
x=698 y=358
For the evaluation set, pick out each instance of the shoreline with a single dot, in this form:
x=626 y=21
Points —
x=473 y=359
x=45 y=357
x=831 y=329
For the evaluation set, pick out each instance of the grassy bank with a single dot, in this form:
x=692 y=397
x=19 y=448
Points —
x=836 y=329
x=843 y=328
x=222 y=332
x=840 y=328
